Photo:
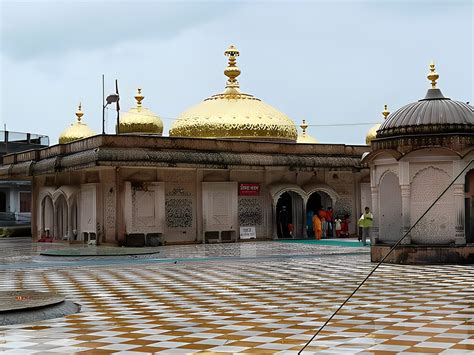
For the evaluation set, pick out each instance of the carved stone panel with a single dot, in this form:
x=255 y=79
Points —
x=179 y=206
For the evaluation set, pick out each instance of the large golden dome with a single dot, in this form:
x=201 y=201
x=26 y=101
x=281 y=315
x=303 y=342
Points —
x=76 y=131
x=372 y=133
x=233 y=114
x=305 y=137
x=140 y=120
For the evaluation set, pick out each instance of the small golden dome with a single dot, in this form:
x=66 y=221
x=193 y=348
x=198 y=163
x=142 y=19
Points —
x=140 y=120
x=305 y=137
x=372 y=133
x=76 y=131
x=233 y=114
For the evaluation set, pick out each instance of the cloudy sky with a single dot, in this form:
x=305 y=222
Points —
x=329 y=62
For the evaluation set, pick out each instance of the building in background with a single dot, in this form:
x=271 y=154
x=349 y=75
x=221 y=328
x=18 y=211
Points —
x=231 y=164
x=15 y=195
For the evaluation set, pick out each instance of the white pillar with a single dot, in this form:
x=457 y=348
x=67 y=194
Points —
x=376 y=213
x=406 y=213
x=460 y=236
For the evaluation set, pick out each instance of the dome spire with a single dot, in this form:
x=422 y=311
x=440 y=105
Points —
x=232 y=71
x=139 y=97
x=79 y=112
x=385 y=111
x=304 y=126
x=433 y=75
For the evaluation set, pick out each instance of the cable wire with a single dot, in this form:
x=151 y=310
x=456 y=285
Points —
x=383 y=259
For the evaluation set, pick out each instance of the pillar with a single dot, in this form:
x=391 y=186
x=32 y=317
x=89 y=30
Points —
x=376 y=213
x=460 y=236
x=406 y=213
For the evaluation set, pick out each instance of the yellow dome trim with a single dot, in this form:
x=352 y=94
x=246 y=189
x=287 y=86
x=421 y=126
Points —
x=140 y=120
x=372 y=133
x=77 y=130
x=233 y=114
x=304 y=137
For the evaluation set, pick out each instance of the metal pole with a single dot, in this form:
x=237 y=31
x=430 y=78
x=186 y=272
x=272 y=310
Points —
x=103 y=104
x=118 y=106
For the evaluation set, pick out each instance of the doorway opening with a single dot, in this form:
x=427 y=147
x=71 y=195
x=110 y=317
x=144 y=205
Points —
x=289 y=215
x=318 y=201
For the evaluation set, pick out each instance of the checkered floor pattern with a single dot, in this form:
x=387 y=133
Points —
x=252 y=306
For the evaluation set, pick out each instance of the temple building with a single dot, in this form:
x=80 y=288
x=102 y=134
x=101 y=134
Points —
x=416 y=154
x=229 y=166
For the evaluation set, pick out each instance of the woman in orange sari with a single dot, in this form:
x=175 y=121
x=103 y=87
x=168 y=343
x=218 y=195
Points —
x=317 y=227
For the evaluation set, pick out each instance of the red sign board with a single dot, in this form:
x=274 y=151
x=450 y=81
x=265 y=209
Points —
x=249 y=189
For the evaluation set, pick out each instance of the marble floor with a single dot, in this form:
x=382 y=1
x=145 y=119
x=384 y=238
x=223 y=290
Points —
x=261 y=298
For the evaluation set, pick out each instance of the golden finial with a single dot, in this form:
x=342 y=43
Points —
x=79 y=112
x=304 y=126
x=139 y=97
x=385 y=111
x=432 y=75
x=232 y=71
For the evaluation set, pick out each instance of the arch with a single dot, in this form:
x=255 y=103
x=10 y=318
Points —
x=390 y=219
x=421 y=171
x=312 y=188
x=278 y=189
x=437 y=226
x=368 y=158
x=47 y=215
x=61 y=211
x=385 y=172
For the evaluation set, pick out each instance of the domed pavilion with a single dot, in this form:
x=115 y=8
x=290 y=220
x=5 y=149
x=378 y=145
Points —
x=416 y=154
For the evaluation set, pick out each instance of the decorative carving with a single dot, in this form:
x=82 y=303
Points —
x=179 y=212
x=250 y=211
x=109 y=204
x=179 y=200
x=343 y=206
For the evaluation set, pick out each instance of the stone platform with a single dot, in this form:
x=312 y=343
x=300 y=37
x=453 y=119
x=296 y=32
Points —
x=25 y=306
x=99 y=251
x=424 y=254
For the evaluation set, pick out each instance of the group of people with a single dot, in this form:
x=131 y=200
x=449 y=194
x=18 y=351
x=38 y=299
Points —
x=322 y=224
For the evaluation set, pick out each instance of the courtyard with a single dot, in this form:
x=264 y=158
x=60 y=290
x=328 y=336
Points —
x=253 y=297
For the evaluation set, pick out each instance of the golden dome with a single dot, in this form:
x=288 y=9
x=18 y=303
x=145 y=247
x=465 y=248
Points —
x=304 y=137
x=140 y=120
x=76 y=131
x=372 y=133
x=233 y=114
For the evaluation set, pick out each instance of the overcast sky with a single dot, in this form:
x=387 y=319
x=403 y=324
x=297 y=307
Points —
x=328 y=62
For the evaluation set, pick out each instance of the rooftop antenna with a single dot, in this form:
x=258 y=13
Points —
x=118 y=106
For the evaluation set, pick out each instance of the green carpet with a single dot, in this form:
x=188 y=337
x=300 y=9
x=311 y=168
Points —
x=100 y=251
x=336 y=243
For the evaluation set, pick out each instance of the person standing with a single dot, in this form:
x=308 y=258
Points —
x=330 y=222
x=322 y=217
x=283 y=220
x=317 y=227
x=365 y=222
x=338 y=222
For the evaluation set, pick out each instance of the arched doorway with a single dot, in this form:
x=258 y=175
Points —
x=390 y=212
x=318 y=200
x=289 y=211
x=469 y=206
x=47 y=214
x=61 y=218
